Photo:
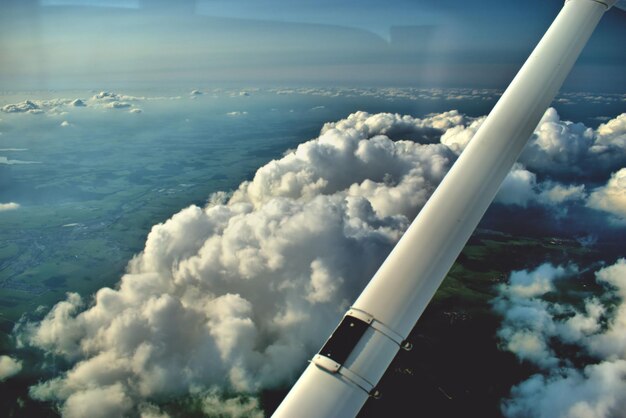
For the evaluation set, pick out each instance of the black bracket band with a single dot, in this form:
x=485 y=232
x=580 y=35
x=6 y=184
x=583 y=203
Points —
x=344 y=339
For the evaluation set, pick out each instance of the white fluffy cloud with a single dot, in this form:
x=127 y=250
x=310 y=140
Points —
x=565 y=149
x=561 y=149
x=518 y=188
x=532 y=326
x=559 y=193
x=527 y=323
x=457 y=137
x=560 y=162
x=9 y=367
x=104 y=99
x=612 y=197
x=238 y=294
x=597 y=391
x=521 y=188
x=612 y=135
x=27 y=106
x=9 y=206
x=558 y=146
x=111 y=97
x=611 y=343
x=40 y=106
x=117 y=105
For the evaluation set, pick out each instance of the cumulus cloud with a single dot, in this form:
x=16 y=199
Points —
x=518 y=187
x=558 y=146
x=521 y=188
x=9 y=206
x=60 y=106
x=26 y=106
x=597 y=391
x=38 y=106
x=611 y=343
x=612 y=133
x=611 y=198
x=106 y=95
x=235 y=296
x=566 y=149
x=560 y=149
x=560 y=164
x=559 y=193
x=457 y=137
x=9 y=367
x=111 y=97
x=118 y=105
x=527 y=322
x=535 y=328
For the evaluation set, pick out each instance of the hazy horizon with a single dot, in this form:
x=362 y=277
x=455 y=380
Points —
x=61 y=44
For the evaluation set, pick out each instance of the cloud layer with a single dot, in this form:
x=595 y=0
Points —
x=238 y=294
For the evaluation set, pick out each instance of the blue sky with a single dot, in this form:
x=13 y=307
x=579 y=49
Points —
x=446 y=43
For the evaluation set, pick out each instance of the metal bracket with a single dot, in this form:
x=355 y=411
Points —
x=326 y=363
x=381 y=327
x=342 y=342
x=345 y=337
x=335 y=368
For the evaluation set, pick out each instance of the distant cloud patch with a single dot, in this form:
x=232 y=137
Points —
x=9 y=206
x=612 y=197
x=9 y=367
x=118 y=105
x=6 y=161
x=26 y=106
